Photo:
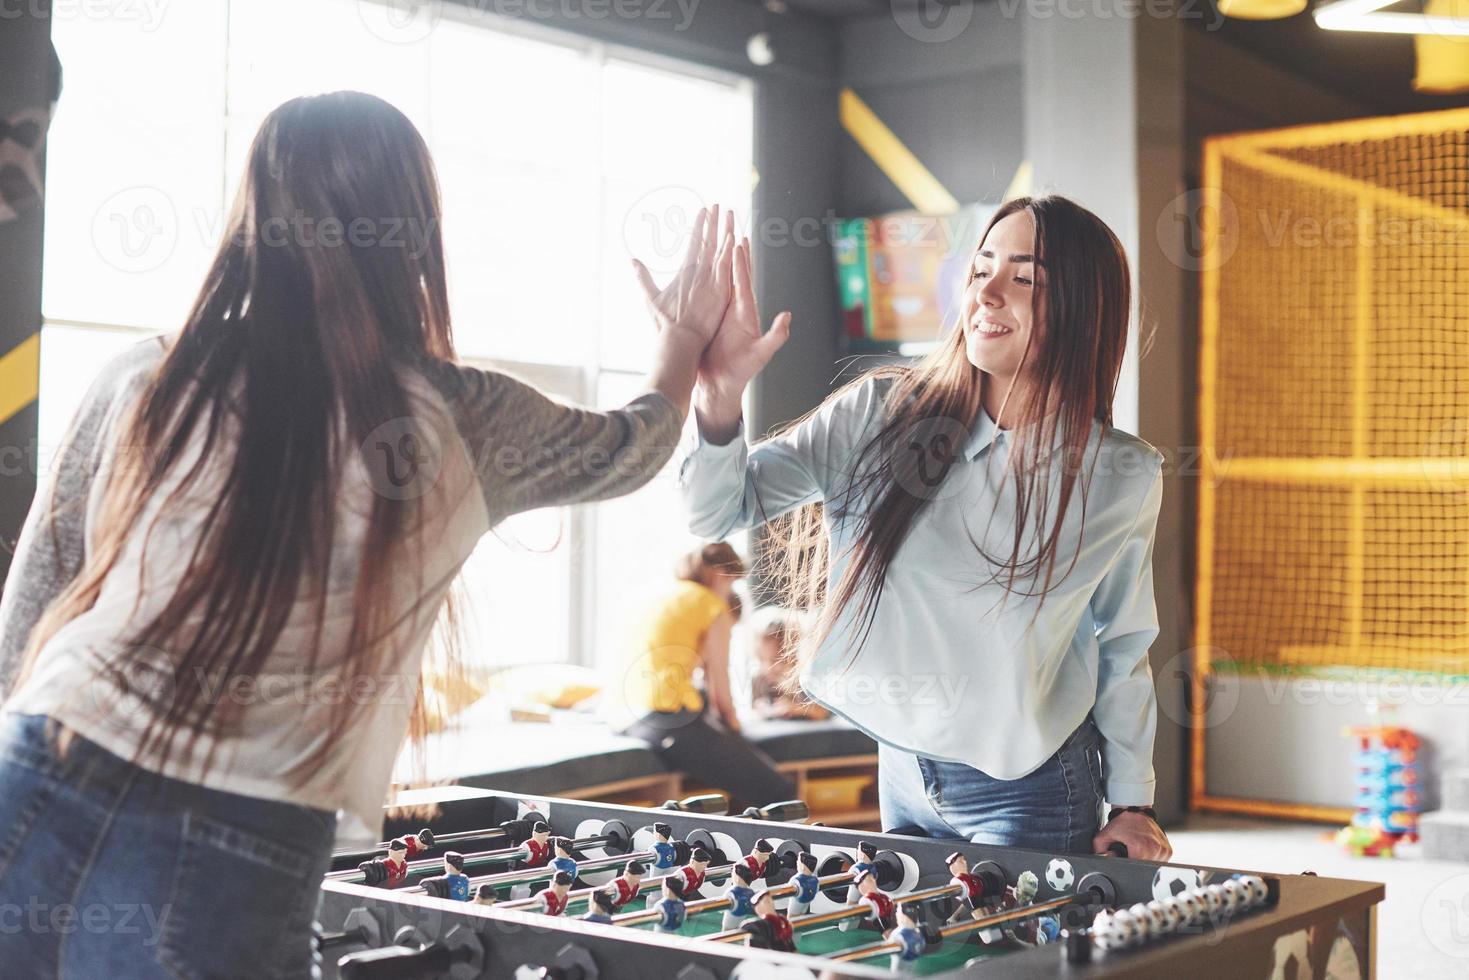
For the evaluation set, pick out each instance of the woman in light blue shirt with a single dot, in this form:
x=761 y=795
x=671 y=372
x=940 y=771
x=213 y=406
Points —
x=984 y=544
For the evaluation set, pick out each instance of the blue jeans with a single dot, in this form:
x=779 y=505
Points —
x=1057 y=808
x=111 y=871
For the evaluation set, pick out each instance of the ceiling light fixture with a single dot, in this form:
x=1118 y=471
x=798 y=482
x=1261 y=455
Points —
x=1368 y=15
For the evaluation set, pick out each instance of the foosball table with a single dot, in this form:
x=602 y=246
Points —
x=504 y=885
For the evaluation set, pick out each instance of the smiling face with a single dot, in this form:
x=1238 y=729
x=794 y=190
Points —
x=999 y=302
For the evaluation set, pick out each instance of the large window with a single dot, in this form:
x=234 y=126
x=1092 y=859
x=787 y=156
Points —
x=557 y=157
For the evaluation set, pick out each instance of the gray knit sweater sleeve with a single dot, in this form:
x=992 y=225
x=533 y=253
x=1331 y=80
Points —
x=52 y=544
x=531 y=451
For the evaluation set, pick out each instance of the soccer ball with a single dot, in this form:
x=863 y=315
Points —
x=1165 y=915
x=1257 y=889
x=1168 y=882
x=1126 y=929
x=1059 y=875
x=1139 y=913
x=1212 y=898
x=1236 y=895
x=1190 y=908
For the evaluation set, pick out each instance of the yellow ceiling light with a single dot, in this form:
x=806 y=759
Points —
x=1446 y=20
x=1261 y=9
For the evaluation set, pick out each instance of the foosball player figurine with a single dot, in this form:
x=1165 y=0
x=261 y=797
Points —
x=536 y=849
x=419 y=842
x=880 y=907
x=556 y=895
x=769 y=929
x=626 y=886
x=453 y=883
x=805 y=882
x=910 y=939
x=390 y=870
x=972 y=896
x=485 y=895
x=1031 y=932
x=758 y=859
x=693 y=872
x=740 y=896
x=663 y=847
x=866 y=861
x=458 y=880
x=564 y=860
x=670 y=907
x=600 y=906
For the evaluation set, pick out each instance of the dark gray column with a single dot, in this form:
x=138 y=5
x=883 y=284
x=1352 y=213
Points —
x=26 y=85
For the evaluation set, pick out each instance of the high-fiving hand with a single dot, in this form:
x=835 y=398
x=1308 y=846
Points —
x=709 y=310
x=739 y=349
x=697 y=297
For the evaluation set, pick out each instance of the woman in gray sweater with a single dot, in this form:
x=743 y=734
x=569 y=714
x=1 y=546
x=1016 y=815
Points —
x=213 y=629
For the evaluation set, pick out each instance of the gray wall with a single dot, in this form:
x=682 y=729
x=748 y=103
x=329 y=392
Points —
x=25 y=82
x=956 y=103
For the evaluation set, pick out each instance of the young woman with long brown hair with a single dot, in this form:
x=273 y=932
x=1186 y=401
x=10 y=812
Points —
x=977 y=538
x=214 y=624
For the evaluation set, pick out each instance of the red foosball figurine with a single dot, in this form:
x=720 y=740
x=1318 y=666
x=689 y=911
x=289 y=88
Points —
x=418 y=843
x=693 y=872
x=769 y=929
x=881 y=908
x=390 y=870
x=626 y=886
x=973 y=895
x=759 y=858
x=536 y=850
x=555 y=897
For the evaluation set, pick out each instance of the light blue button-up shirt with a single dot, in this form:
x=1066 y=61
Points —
x=945 y=672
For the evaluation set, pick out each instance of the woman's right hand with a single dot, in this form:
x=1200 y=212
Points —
x=738 y=352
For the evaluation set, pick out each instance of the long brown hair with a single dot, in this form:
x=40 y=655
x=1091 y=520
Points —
x=1084 y=301
x=329 y=278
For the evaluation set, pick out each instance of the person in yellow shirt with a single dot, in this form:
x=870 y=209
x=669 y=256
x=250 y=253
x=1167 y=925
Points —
x=685 y=638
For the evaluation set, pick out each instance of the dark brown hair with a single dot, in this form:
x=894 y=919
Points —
x=296 y=337
x=1084 y=304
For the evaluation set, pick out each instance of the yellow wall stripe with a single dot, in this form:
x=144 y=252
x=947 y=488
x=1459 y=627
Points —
x=1022 y=182
x=20 y=376
x=904 y=169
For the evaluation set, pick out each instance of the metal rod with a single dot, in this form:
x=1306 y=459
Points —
x=481 y=857
x=780 y=891
x=960 y=928
x=847 y=912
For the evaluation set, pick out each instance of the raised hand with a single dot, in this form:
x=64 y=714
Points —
x=697 y=297
x=737 y=353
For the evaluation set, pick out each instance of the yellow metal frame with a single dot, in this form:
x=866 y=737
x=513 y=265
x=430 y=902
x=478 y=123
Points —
x=1359 y=471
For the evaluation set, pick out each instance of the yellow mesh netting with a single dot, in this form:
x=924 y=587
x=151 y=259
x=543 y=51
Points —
x=1334 y=401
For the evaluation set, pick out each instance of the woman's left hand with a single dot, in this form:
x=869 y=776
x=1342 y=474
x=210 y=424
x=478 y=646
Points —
x=1139 y=832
